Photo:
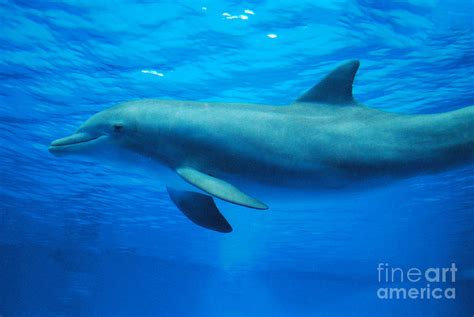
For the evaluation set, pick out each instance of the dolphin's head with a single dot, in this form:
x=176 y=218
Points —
x=113 y=127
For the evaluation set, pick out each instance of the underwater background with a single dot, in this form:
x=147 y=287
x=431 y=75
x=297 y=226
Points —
x=79 y=238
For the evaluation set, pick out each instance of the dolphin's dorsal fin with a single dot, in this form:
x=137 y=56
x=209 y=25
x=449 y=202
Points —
x=335 y=88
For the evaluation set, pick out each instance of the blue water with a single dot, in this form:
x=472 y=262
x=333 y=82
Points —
x=90 y=239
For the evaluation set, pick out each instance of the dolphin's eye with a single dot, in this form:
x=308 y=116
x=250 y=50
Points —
x=118 y=127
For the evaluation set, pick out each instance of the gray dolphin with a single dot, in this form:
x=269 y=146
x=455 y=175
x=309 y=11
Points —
x=249 y=154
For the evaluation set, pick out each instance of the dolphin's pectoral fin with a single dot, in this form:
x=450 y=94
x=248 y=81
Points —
x=335 y=88
x=200 y=209
x=219 y=188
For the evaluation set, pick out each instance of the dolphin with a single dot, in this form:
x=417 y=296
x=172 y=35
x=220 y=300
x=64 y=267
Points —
x=250 y=154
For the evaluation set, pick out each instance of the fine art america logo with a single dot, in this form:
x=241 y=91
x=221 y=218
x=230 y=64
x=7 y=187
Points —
x=416 y=283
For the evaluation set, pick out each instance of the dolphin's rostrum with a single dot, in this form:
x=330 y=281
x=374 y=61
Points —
x=246 y=153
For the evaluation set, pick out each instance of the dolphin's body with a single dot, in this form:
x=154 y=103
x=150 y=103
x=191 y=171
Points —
x=245 y=153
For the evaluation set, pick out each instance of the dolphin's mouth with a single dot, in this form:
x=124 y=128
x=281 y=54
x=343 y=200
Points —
x=72 y=141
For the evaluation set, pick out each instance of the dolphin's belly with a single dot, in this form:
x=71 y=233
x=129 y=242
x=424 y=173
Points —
x=303 y=196
x=281 y=178
x=301 y=171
